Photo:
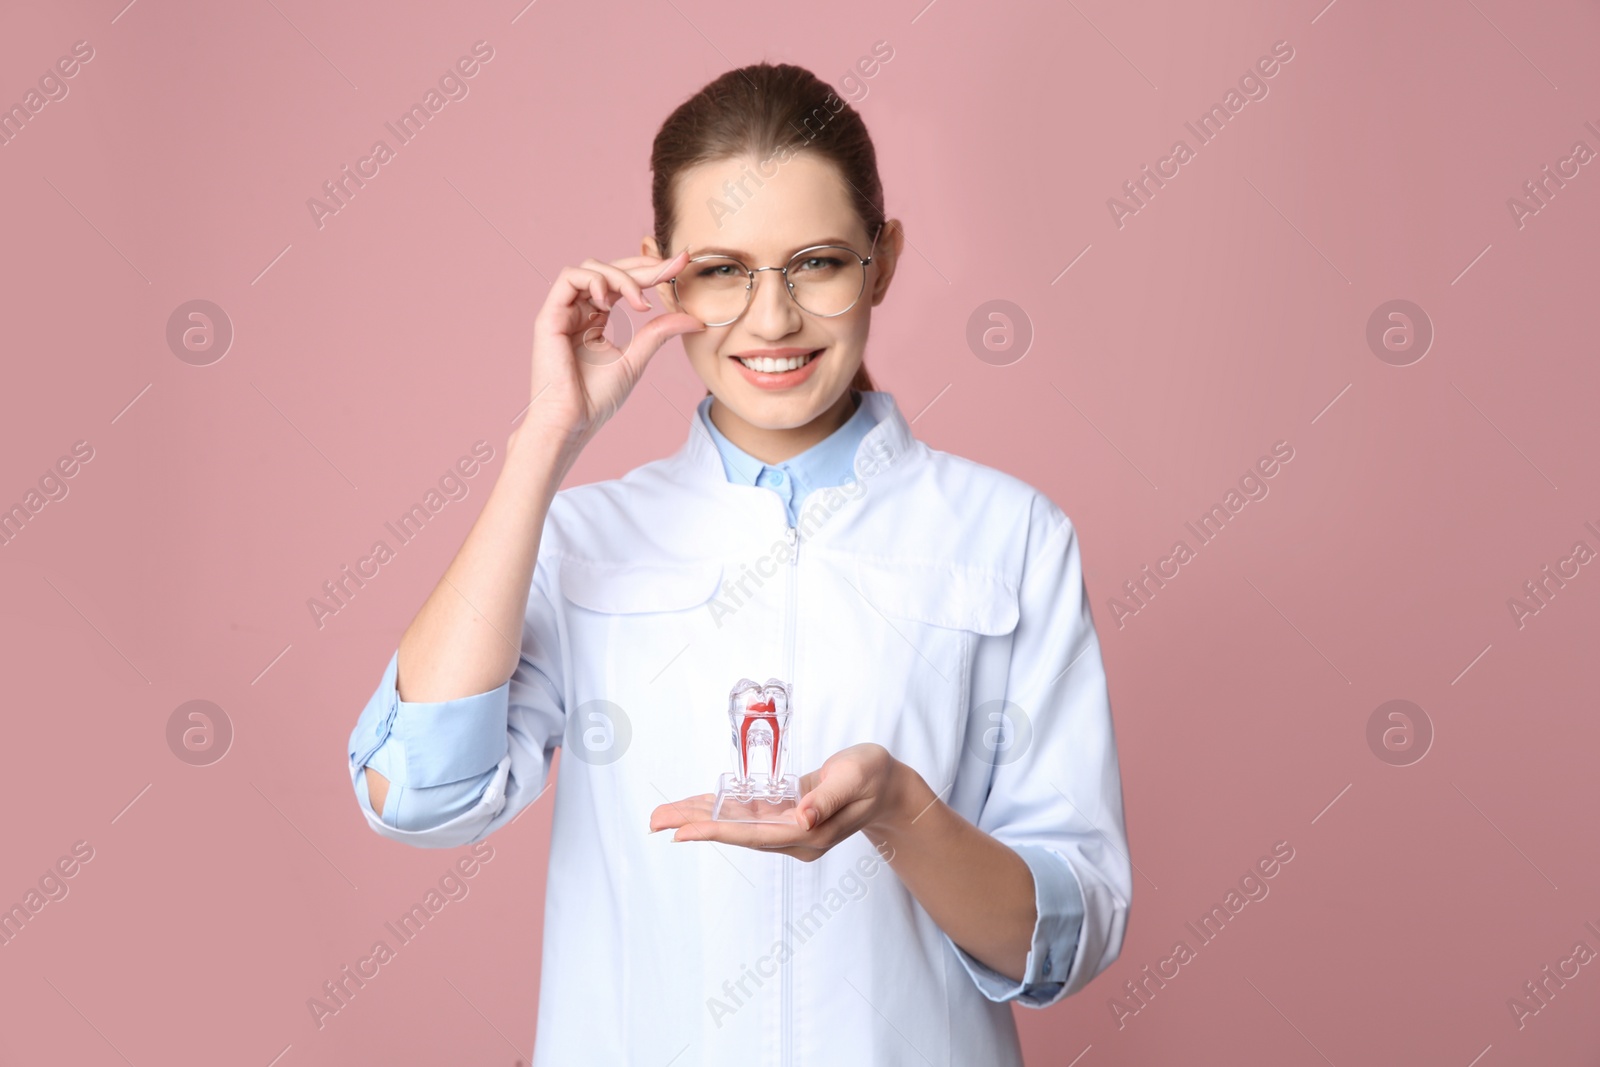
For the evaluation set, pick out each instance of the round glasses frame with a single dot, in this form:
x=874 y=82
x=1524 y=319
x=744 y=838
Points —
x=750 y=285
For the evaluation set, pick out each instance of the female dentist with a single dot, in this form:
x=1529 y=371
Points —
x=959 y=843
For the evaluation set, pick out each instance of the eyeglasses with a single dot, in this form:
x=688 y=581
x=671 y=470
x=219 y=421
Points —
x=823 y=280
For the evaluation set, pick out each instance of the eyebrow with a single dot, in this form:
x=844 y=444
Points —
x=736 y=254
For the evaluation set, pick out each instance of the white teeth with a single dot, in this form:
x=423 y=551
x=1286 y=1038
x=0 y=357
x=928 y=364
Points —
x=772 y=366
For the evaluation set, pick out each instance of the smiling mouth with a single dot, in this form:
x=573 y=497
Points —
x=774 y=365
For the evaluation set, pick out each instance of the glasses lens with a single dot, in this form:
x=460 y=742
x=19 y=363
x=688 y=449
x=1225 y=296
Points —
x=713 y=290
x=827 y=281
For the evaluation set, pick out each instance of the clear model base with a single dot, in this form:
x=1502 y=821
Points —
x=758 y=800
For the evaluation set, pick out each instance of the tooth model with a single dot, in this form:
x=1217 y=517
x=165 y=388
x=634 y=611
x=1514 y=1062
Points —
x=759 y=790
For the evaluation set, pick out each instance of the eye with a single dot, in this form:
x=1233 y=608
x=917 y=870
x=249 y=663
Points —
x=818 y=263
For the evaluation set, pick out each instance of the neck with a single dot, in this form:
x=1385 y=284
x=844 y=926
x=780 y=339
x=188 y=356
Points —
x=775 y=446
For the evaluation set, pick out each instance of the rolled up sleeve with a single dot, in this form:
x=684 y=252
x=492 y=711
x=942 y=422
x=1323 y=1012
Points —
x=438 y=757
x=1055 y=791
x=1059 y=902
x=459 y=769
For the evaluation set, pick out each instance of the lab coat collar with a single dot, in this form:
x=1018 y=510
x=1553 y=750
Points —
x=888 y=444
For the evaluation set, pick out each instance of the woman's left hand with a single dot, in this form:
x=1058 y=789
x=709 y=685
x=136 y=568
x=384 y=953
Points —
x=854 y=789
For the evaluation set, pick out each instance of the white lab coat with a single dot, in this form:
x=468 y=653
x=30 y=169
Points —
x=901 y=609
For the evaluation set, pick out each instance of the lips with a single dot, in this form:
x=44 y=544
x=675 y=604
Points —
x=779 y=380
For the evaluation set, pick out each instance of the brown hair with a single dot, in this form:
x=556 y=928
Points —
x=766 y=110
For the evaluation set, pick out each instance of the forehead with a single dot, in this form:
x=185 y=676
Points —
x=798 y=203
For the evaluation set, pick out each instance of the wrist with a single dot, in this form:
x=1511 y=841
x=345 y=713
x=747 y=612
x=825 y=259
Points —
x=543 y=446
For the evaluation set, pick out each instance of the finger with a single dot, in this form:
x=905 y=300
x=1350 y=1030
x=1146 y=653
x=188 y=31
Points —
x=662 y=277
x=647 y=275
x=620 y=282
x=570 y=292
x=616 y=282
x=650 y=271
x=596 y=280
x=572 y=283
x=634 y=265
x=679 y=812
x=746 y=834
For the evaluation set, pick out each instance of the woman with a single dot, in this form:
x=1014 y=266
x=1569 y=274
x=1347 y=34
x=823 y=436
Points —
x=960 y=830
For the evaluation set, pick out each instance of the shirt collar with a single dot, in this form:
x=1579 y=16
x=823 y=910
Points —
x=885 y=443
x=826 y=463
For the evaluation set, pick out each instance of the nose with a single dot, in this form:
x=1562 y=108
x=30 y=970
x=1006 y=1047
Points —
x=772 y=314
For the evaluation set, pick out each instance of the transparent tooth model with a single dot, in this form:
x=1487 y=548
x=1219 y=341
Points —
x=758 y=790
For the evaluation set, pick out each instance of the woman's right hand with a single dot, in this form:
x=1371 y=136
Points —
x=580 y=379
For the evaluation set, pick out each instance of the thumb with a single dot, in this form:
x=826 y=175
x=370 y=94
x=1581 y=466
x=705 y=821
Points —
x=831 y=794
x=657 y=332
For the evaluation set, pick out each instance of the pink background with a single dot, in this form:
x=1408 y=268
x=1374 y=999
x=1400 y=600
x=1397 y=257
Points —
x=1228 y=314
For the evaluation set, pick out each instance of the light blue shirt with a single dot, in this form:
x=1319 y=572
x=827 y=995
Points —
x=449 y=732
x=829 y=462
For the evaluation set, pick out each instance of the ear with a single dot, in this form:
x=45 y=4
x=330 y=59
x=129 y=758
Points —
x=886 y=258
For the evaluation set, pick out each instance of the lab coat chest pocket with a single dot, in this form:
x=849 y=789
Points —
x=643 y=639
x=922 y=625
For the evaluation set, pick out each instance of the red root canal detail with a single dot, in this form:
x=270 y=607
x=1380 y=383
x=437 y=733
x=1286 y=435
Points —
x=755 y=713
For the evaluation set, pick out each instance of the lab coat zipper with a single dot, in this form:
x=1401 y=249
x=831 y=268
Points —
x=786 y=977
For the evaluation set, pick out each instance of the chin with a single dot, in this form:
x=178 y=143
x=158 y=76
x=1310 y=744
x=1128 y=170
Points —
x=785 y=410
